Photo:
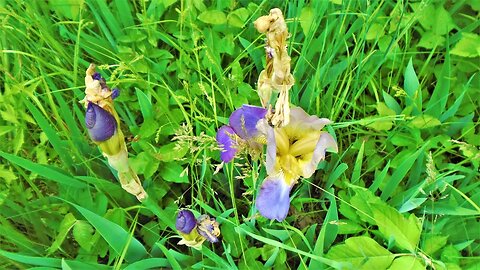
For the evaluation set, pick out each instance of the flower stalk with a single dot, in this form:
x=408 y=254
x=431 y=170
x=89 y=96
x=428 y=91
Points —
x=103 y=126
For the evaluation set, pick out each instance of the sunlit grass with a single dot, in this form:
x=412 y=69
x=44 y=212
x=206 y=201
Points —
x=400 y=90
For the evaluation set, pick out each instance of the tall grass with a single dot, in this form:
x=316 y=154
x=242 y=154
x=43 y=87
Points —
x=399 y=79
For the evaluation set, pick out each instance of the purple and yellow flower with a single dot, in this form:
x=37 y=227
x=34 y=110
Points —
x=242 y=132
x=103 y=126
x=195 y=231
x=293 y=151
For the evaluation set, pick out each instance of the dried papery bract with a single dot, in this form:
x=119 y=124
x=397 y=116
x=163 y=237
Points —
x=276 y=76
x=103 y=125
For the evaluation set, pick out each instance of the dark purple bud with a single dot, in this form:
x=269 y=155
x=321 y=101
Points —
x=101 y=124
x=96 y=76
x=115 y=93
x=185 y=221
x=225 y=138
x=244 y=121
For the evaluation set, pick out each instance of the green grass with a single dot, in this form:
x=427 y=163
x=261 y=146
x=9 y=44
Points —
x=399 y=80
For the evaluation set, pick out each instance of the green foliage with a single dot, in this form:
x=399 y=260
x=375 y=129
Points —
x=399 y=79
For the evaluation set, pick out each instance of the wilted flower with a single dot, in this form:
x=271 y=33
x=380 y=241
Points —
x=103 y=126
x=293 y=151
x=208 y=228
x=276 y=76
x=241 y=132
x=195 y=231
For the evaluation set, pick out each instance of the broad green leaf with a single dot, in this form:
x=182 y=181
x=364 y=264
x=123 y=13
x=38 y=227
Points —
x=433 y=243
x=238 y=17
x=392 y=224
x=361 y=252
x=346 y=226
x=151 y=263
x=145 y=104
x=68 y=8
x=6 y=129
x=144 y=164
x=375 y=31
x=407 y=263
x=149 y=127
x=173 y=172
x=362 y=201
x=172 y=151
x=430 y=40
x=65 y=226
x=306 y=19
x=213 y=17
x=438 y=100
x=412 y=88
x=424 y=121
x=115 y=235
x=468 y=46
x=83 y=234
x=411 y=204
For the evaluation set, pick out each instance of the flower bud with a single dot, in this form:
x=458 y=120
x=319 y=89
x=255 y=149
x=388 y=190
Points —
x=185 y=222
x=101 y=124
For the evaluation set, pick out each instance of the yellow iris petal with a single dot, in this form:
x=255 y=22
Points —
x=282 y=141
x=304 y=145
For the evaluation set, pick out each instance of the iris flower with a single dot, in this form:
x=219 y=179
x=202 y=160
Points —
x=242 y=132
x=103 y=126
x=195 y=231
x=293 y=151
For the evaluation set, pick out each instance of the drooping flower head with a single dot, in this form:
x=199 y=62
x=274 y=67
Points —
x=293 y=151
x=242 y=132
x=195 y=231
x=208 y=228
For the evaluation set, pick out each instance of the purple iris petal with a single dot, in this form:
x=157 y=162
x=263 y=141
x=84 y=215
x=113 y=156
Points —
x=185 y=221
x=227 y=143
x=96 y=76
x=244 y=120
x=273 y=200
x=115 y=93
x=101 y=124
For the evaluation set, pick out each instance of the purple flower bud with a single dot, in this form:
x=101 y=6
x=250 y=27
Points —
x=96 y=76
x=101 y=124
x=185 y=221
x=244 y=121
x=225 y=138
x=115 y=93
x=273 y=200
